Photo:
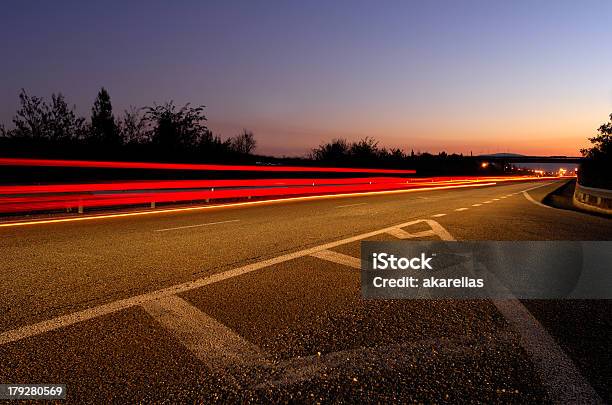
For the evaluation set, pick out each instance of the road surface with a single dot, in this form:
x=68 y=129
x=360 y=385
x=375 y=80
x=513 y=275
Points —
x=263 y=303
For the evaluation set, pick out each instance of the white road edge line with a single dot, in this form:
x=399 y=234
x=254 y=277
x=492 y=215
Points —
x=529 y=198
x=242 y=204
x=563 y=381
x=195 y=226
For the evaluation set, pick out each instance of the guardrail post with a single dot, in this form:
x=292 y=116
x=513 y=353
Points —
x=152 y=204
x=80 y=209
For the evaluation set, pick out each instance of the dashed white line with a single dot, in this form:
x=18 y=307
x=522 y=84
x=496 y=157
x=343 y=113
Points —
x=438 y=215
x=198 y=225
x=487 y=202
x=496 y=199
x=476 y=205
x=529 y=198
x=461 y=209
x=350 y=205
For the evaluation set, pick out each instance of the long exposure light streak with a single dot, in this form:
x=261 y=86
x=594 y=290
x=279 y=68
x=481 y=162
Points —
x=230 y=205
x=190 y=166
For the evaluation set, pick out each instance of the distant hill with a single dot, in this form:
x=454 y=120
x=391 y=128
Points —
x=502 y=155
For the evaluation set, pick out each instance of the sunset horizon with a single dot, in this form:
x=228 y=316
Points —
x=477 y=78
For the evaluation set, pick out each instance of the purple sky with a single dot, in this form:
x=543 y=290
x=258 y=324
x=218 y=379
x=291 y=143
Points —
x=531 y=77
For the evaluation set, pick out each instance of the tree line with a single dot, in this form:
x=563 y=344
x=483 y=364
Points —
x=43 y=128
x=167 y=132
x=596 y=170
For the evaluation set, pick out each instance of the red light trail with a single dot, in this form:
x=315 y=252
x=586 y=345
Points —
x=189 y=166
x=61 y=197
x=53 y=197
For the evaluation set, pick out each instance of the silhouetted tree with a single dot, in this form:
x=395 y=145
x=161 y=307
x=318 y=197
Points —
x=211 y=146
x=35 y=119
x=104 y=130
x=31 y=119
x=243 y=143
x=336 y=150
x=596 y=170
x=175 y=130
x=133 y=127
x=602 y=143
x=365 y=150
x=65 y=125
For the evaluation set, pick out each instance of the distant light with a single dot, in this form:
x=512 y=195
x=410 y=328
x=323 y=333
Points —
x=484 y=165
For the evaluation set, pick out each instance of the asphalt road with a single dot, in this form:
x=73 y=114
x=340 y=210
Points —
x=238 y=304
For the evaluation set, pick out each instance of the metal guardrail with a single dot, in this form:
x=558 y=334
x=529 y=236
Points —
x=32 y=198
x=593 y=199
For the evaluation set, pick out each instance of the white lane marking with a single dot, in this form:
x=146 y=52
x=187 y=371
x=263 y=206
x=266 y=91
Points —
x=440 y=230
x=487 y=202
x=216 y=345
x=538 y=186
x=461 y=209
x=476 y=205
x=529 y=198
x=104 y=309
x=402 y=234
x=350 y=205
x=339 y=258
x=198 y=225
x=496 y=199
x=502 y=197
x=562 y=379
x=438 y=215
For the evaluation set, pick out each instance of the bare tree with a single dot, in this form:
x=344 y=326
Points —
x=244 y=142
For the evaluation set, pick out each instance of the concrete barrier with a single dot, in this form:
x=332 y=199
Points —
x=593 y=199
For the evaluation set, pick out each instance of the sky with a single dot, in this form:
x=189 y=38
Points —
x=530 y=77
